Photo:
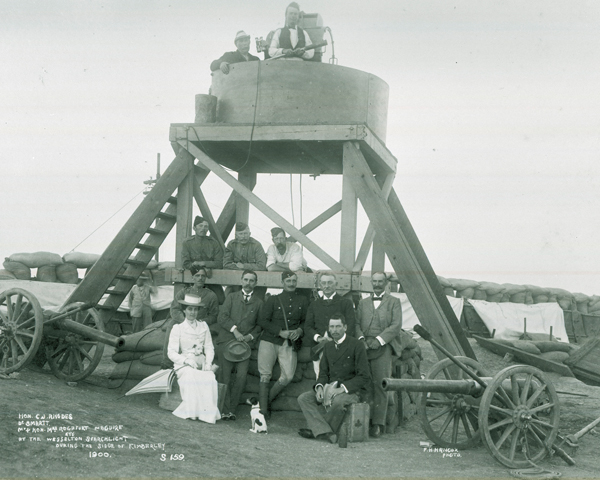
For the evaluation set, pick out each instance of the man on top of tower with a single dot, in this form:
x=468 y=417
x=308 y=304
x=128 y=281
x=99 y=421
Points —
x=291 y=39
x=242 y=54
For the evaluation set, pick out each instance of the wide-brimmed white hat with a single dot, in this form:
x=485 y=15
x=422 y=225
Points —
x=240 y=35
x=191 y=300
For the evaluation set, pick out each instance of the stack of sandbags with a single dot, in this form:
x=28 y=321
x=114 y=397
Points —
x=594 y=305
x=464 y=288
x=548 y=350
x=6 y=275
x=514 y=293
x=563 y=297
x=538 y=294
x=73 y=262
x=19 y=270
x=45 y=262
x=141 y=355
x=582 y=302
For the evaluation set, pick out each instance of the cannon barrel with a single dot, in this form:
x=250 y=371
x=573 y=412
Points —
x=92 y=333
x=465 y=386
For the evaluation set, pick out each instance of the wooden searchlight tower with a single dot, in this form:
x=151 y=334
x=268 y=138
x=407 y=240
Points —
x=280 y=116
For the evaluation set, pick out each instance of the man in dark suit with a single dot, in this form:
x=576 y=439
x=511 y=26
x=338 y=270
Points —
x=378 y=324
x=242 y=54
x=344 y=373
x=321 y=310
x=238 y=320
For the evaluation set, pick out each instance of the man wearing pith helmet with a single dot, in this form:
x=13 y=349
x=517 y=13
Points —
x=242 y=54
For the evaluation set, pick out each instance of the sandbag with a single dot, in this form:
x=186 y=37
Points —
x=443 y=281
x=479 y=294
x=6 y=275
x=491 y=288
x=549 y=346
x=512 y=289
x=540 y=299
x=285 y=404
x=120 y=357
x=449 y=291
x=582 y=307
x=297 y=389
x=37 y=259
x=560 y=292
x=518 y=297
x=461 y=284
x=133 y=369
x=309 y=373
x=528 y=298
x=505 y=298
x=465 y=293
x=559 y=357
x=152 y=264
x=593 y=308
x=144 y=341
x=496 y=297
x=252 y=384
x=152 y=358
x=81 y=260
x=304 y=355
x=526 y=346
x=47 y=273
x=535 y=290
x=18 y=269
x=565 y=303
x=581 y=297
x=67 y=273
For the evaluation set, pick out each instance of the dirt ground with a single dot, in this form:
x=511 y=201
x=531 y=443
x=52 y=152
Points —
x=158 y=444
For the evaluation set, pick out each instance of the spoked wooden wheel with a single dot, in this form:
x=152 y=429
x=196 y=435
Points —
x=519 y=416
x=21 y=325
x=448 y=419
x=74 y=356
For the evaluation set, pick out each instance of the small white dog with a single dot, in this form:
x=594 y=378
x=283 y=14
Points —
x=259 y=425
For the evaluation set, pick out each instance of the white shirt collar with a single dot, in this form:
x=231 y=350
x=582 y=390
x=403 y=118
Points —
x=341 y=340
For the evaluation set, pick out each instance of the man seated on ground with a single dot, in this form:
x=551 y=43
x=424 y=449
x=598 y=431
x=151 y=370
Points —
x=344 y=373
x=291 y=39
x=242 y=54
x=203 y=251
x=284 y=255
x=238 y=320
x=282 y=320
x=378 y=324
x=322 y=309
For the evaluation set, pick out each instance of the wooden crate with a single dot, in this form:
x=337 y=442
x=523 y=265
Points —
x=356 y=421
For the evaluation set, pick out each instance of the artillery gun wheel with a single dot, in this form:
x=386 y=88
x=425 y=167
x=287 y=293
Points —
x=519 y=416
x=21 y=325
x=72 y=356
x=450 y=420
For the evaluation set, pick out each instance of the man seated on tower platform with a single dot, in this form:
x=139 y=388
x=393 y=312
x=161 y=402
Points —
x=242 y=54
x=203 y=251
x=245 y=253
x=291 y=40
x=284 y=255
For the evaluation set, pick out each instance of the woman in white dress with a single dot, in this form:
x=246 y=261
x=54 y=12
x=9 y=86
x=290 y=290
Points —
x=191 y=350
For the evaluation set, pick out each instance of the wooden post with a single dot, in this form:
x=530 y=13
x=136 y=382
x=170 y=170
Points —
x=348 y=224
x=242 y=206
x=226 y=219
x=378 y=256
x=184 y=211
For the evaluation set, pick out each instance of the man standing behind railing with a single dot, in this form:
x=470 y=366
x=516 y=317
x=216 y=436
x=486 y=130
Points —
x=291 y=39
x=242 y=54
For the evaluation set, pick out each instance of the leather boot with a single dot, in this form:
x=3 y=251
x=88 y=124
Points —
x=275 y=390
x=263 y=398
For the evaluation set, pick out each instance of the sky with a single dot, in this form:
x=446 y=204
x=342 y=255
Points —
x=494 y=117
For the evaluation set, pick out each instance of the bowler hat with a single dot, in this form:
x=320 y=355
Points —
x=236 y=351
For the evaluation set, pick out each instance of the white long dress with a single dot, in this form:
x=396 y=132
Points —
x=199 y=388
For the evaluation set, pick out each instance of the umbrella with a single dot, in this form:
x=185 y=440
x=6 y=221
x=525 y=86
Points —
x=160 y=382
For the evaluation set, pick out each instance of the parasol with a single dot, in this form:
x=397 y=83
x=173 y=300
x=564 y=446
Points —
x=159 y=382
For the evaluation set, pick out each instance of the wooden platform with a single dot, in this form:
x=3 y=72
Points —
x=307 y=149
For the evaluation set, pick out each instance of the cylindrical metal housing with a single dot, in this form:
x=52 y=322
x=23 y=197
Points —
x=466 y=386
x=288 y=92
x=92 y=333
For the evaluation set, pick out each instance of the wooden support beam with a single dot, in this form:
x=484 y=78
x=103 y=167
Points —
x=242 y=206
x=92 y=287
x=365 y=247
x=319 y=220
x=201 y=174
x=378 y=256
x=183 y=228
x=226 y=219
x=425 y=301
x=348 y=224
x=264 y=208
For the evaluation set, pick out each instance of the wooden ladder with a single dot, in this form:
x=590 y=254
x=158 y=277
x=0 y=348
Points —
x=133 y=247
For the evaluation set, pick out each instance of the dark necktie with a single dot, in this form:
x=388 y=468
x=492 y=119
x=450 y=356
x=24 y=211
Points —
x=376 y=299
x=246 y=298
